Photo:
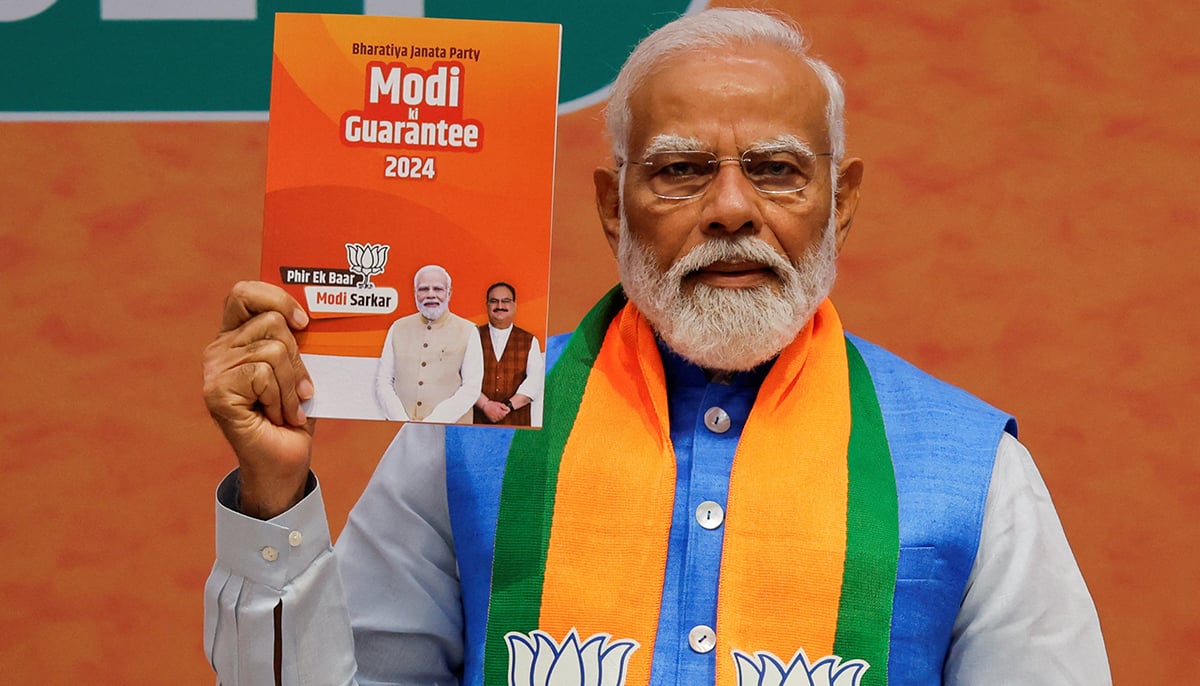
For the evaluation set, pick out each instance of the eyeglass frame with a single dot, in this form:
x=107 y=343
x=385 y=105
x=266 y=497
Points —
x=716 y=163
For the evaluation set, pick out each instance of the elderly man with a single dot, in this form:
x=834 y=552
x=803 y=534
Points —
x=431 y=367
x=513 y=367
x=729 y=489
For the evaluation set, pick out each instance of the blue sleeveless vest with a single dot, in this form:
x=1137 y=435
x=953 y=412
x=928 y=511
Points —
x=943 y=443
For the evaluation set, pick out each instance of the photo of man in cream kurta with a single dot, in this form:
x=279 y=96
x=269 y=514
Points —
x=431 y=367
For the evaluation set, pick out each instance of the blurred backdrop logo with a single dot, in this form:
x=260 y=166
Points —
x=183 y=59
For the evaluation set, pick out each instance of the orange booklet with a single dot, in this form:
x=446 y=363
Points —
x=401 y=145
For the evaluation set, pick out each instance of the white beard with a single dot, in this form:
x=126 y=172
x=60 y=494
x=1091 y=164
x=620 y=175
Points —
x=728 y=329
x=433 y=311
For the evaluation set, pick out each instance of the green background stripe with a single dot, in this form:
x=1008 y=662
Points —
x=71 y=60
x=527 y=495
x=872 y=532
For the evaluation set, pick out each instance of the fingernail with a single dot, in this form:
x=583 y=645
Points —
x=300 y=317
x=304 y=389
x=301 y=416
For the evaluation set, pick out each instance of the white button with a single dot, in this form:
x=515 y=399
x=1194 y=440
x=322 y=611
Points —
x=295 y=539
x=710 y=515
x=270 y=554
x=717 y=420
x=702 y=639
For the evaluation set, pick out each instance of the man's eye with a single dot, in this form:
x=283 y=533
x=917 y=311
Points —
x=682 y=169
x=773 y=169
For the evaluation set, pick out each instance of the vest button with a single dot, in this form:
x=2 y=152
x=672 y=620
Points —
x=702 y=639
x=710 y=515
x=420 y=383
x=717 y=420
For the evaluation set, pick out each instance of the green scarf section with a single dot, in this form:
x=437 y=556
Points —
x=528 y=495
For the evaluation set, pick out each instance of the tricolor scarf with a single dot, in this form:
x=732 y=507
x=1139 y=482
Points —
x=811 y=537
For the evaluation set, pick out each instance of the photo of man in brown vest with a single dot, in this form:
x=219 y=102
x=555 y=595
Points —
x=513 y=366
x=431 y=367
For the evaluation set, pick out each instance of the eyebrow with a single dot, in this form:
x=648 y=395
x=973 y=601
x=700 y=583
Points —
x=667 y=142
x=783 y=143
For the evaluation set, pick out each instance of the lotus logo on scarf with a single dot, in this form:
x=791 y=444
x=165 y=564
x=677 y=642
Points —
x=765 y=669
x=537 y=660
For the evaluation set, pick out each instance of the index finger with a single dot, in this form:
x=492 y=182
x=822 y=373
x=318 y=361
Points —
x=249 y=298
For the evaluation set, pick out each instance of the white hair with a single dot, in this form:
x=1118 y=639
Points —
x=436 y=268
x=720 y=28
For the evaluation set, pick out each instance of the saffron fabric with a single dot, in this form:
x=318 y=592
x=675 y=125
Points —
x=791 y=576
x=404 y=590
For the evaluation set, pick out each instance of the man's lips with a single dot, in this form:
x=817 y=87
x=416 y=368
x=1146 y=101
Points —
x=737 y=267
x=736 y=274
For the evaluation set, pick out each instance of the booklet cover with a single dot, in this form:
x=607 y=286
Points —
x=410 y=166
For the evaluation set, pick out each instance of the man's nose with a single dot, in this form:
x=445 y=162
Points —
x=731 y=203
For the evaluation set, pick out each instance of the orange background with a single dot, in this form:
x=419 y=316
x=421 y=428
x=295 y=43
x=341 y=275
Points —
x=475 y=218
x=1028 y=230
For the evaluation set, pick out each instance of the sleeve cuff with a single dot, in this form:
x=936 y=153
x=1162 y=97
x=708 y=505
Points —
x=276 y=551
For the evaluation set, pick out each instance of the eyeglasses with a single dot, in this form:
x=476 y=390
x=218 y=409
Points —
x=686 y=174
x=501 y=301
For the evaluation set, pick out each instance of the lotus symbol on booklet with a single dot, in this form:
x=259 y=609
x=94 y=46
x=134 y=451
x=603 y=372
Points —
x=537 y=660
x=765 y=669
x=366 y=260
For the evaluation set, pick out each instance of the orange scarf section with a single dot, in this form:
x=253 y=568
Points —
x=785 y=527
x=785 y=530
x=616 y=486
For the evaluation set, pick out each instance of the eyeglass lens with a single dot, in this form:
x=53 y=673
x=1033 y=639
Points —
x=683 y=174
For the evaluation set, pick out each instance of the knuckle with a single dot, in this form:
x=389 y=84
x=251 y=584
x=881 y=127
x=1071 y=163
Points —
x=241 y=289
x=212 y=391
x=268 y=351
x=260 y=377
x=274 y=320
x=214 y=348
x=277 y=351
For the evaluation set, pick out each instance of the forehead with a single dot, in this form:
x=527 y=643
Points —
x=431 y=280
x=730 y=99
x=500 y=292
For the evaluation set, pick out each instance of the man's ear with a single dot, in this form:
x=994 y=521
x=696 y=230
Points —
x=608 y=203
x=849 y=180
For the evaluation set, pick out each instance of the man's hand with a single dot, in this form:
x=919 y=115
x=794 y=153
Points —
x=495 y=411
x=254 y=381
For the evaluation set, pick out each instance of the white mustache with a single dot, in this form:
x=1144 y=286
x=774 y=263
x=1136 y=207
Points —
x=739 y=249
